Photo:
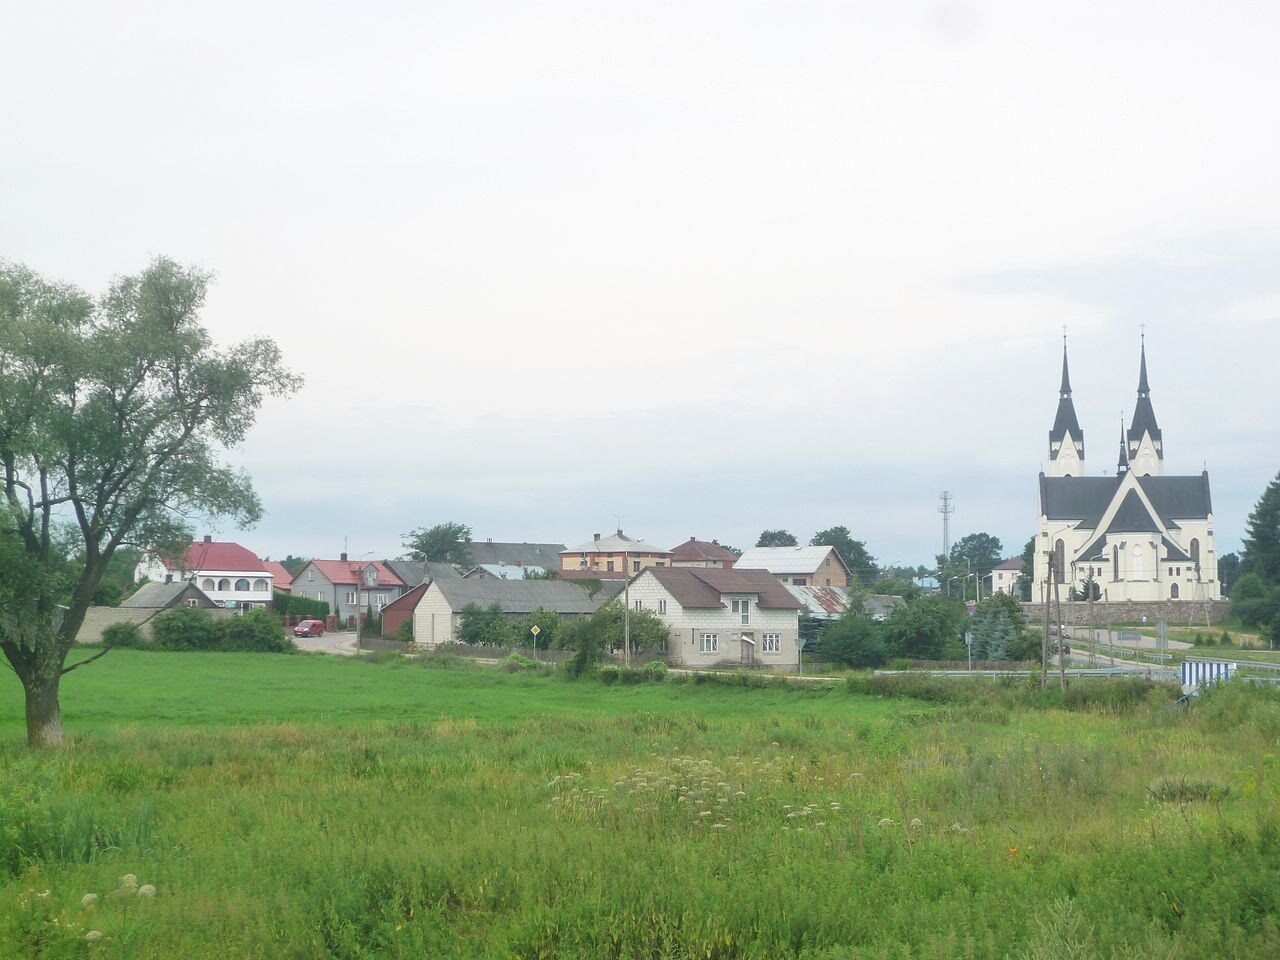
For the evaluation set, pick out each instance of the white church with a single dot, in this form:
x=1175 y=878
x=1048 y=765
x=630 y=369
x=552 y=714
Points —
x=1140 y=535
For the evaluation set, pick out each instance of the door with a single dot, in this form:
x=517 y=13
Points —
x=748 y=645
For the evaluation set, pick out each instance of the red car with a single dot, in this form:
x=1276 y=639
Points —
x=309 y=628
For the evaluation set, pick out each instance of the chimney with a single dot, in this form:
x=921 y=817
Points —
x=343 y=557
x=208 y=539
x=619 y=531
x=597 y=538
x=488 y=540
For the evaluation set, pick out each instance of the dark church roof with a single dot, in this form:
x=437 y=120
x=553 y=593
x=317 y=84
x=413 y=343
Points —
x=1086 y=499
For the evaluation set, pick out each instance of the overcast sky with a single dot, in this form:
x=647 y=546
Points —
x=712 y=267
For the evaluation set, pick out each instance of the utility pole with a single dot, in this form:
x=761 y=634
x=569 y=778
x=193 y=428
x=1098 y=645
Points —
x=1044 y=646
x=1062 y=641
x=626 y=607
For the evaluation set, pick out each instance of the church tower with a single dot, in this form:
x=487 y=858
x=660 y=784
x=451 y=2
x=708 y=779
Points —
x=1146 y=445
x=1066 y=439
x=1122 y=465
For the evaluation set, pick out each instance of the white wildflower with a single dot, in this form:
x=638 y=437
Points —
x=146 y=890
x=915 y=823
x=886 y=822
x=93 y=935
x=129 y=880
x=88 y=900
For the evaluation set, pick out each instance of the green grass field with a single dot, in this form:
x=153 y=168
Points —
x=314 y=807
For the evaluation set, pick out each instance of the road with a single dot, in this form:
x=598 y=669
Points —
x=340 y=643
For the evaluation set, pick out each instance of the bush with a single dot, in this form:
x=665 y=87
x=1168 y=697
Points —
x=657 y=669
x=518 y=663
x=257 y=631
x=405 y=633
x=185 y=628
x=298 y=606
x=123 y=635
x=1225 y=639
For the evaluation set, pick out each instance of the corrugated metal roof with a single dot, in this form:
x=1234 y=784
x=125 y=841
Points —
x=617 y=543
x=784 y=559
x=486 y=552
x=519 y=596
x=824 y=603
x=159 y=596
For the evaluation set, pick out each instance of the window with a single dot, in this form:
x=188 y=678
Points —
x=799 y=582
x=1195 y=552
x=1059 y=561
x=206 y=584
x=608 y=564
x=319 y=594
x=351 y=598
x=771 y=643
x=709 y=643
x=662 y=606
x=379 y=600
x=1173 y=591
x=639 y=605
x=224 y=584
x=311 y=573
x=660 y=563
x=371 y=575
x=742 y=607
x=260 y=585
x=635 y=566
x=242 y=584
x=193 y=602
x=828 y=581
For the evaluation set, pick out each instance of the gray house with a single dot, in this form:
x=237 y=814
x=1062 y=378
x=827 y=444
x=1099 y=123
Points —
x=349 y=587
x=435 y=618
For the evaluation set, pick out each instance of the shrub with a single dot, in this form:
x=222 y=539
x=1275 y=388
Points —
x=1225 y=639
x=299 y=606
x=405 y=633
x=185 y=628
x=657 y=669
x=518 y=663
x=123 y=635
x=257 y=631
x=609 y=674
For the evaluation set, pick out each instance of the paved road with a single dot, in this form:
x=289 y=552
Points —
x=340 y=643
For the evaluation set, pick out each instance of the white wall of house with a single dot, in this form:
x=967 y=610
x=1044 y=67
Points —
x=775 y=632
x=235 y=588
x=1004 y=581
x=434 y=621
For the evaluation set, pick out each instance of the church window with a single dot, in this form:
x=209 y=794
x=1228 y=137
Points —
x=1195 y=552
x=1173 y=591
x=1115 y=563
x=1059 y=560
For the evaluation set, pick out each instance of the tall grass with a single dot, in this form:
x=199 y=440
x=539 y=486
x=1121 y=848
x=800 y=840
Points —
x=466 y=813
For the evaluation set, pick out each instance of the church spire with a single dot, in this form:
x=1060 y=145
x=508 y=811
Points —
x=1066 y=439
x=1146 y=444
x=1122 y=465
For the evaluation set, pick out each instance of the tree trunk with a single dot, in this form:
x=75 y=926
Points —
x=44 y=715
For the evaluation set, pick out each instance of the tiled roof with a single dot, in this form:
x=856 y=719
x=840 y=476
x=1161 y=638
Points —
x=1013 y=563
x=487 y=552
x=281 y=579
x=693 y=549
x=348 y=571
x=702 y=587
x=218 y=555
x=159 y=596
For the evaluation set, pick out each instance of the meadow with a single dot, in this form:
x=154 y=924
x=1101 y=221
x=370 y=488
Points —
x=263 y=806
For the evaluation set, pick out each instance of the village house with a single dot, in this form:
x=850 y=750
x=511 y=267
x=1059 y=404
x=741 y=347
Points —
x=143 y=605
x=614 y=557
x=438 y=610
x=350 y=587
x=718 y=617
x=699 y=553
x=1004 y=576
x=798 y=566
x=228 y=573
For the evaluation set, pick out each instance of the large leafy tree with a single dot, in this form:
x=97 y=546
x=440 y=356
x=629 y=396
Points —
x=777 y=538
x=854 y=552
x=112 y=413
x=443 y=543
x=976 y=553
x=1262 y=536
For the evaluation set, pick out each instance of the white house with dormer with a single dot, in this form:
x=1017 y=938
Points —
x=718 y=617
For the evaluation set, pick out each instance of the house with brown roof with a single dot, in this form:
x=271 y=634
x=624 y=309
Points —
x=698 y=553
x=717 y=617
x=1004 y=576
x=350 y=587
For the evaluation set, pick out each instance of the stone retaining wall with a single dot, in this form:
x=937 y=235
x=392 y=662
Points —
x=1172 y=612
